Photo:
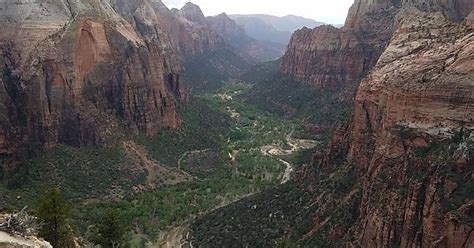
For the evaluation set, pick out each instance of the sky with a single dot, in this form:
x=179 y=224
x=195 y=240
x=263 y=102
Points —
x=328 y=11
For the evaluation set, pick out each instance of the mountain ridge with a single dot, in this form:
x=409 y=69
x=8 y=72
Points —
x=268 y=28
x=287 y=23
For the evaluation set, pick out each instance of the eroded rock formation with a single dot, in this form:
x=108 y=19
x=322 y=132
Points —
x=329 y=57
x=411 y=138
x=400 y=173
x=185 y=31
x=76 y=72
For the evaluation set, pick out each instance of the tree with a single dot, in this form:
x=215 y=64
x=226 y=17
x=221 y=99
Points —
x=53 y=214
x=110 y=230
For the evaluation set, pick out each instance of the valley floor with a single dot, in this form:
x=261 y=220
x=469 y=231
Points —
x=266 y=136
x=228 y=150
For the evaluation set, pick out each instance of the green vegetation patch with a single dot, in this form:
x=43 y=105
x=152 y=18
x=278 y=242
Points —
x=288 y=211
x=203 y=128
x=210 y=71
x=154 y=211
x=81 y=173
x=276 y=93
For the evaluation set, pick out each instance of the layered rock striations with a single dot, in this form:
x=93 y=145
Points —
x=329 y=57
x=188 y=32
x=411 y=139
x=400 y=173
x=185 y=31
x=195 y=35
x=76 y=72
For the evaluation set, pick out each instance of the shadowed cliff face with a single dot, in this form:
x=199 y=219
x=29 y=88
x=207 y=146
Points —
x=329 y=57
x=75 y=73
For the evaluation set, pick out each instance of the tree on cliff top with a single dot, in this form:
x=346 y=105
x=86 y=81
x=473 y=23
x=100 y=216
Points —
x=53 y=214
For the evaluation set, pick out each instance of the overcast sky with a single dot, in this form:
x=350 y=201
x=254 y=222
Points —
x=329 y=11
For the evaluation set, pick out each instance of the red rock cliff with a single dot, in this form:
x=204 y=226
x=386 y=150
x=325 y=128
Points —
x=411 y=139
x=185 y=31
x=328 y=57
x=74 y=72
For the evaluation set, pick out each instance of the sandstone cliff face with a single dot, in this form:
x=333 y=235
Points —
x=226 y=27
x=75 y=73
x=329 y=57
x=193 y=13
x=400 y=173
x=195 y=35
x=411 y=139
x=185 y=31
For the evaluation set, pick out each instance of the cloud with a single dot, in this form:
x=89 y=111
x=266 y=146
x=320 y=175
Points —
x=330 y=11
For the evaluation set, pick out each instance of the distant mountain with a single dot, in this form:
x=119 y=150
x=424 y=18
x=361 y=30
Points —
x=273 y=28
x=245 y=45
x=289 y=23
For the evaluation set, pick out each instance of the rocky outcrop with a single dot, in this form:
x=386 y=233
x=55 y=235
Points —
x=192 y=12
x=188 y=32
x=13 y=241
x=411 y=138
x=195 y=35
x=73 y=73
x=185 y=31
x=330 y=57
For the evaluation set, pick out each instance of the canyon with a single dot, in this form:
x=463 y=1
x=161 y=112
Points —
x=327 y=56
x=77 y=80
x=399 y=173
x=359 y=136
x=404 y=105
x=57 y=58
